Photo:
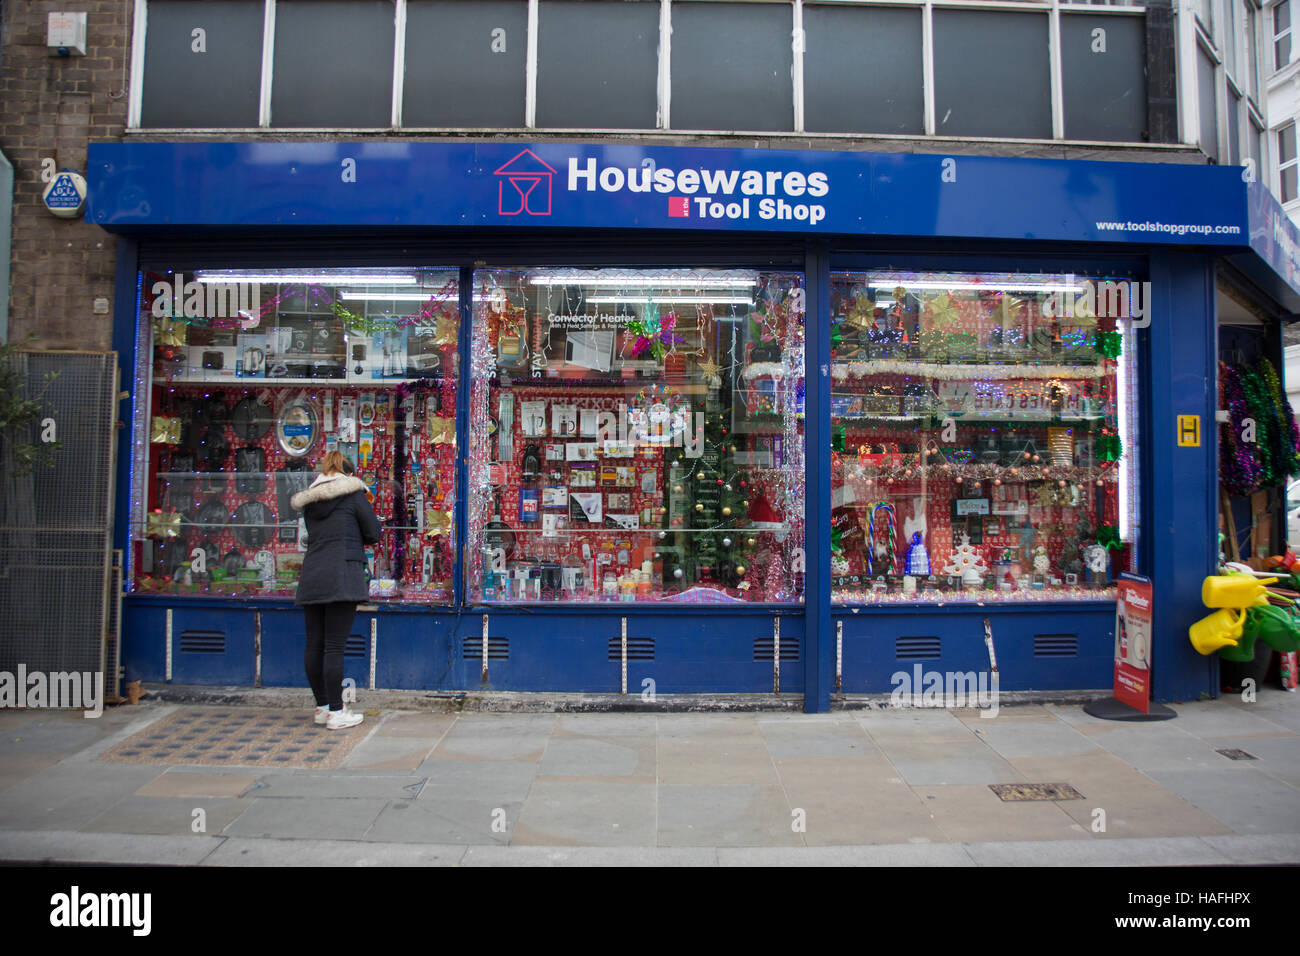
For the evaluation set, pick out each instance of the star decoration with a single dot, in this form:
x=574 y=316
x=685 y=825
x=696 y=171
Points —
x=943 y=310
x=710 y=369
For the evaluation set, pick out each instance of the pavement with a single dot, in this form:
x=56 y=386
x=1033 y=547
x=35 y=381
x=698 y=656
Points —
x=866 y=786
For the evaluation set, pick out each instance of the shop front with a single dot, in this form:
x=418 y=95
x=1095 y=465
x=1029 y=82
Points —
x=668 y=420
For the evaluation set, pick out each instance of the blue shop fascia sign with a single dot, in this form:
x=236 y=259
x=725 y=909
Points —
x=135 y=186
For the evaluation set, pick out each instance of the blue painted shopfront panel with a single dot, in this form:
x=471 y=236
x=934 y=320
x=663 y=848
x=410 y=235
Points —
x=144 y=641
x=213 y=646
x=415 y=649
x=1064 y=647
x=629 y=186
x=576 y=652
x=284 y=640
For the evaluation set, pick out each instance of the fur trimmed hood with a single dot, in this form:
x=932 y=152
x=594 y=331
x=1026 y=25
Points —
x=325 y=488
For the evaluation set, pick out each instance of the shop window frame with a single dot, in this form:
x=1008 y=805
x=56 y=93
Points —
x=845 y=259
x=144 y=380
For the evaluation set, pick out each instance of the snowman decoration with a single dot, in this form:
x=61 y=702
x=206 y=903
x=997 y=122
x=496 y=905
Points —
x=1095 y=559
x=839 y=564
x=1042 y=563
x=967 y=562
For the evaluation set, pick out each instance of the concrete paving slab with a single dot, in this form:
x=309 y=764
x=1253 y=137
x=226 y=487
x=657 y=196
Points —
x=496 y=782
x=63 y=846
x=975 y=814
x=1156 y=851
x=894 y=855
x=1075 y=716
x=390 y=753
x=715 y=759
x=856 y=801
x=445 y=821
x=236 y=851
x=976 y=718
x=1245 y=800
x=633 y=759
x=337 y=785
x=912 y=722
x=1279 y=757
x=1274 y=711
x=416 y=725
x=173 y=816
x=741 y=815
x=587 y=814
x=54 y=732
x=1034 y=738
x=1151 y=748
x=1134 y=805
x=480 y=741
x=15 y=768
x=589 y=856
x=608 y=725
x=823 y=738
x=940 y=761
x=502 y=724
x=198 y=784
x=70 y=794
x=1264 y=848
x=1209 y=719
x=307 y=819
x=675 y=726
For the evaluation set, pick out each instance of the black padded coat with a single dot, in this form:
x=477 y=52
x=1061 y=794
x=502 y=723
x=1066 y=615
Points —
x=340 y=522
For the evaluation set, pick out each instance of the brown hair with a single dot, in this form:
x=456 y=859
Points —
x=334 y=463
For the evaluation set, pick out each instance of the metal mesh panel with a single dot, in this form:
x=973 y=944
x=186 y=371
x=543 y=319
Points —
x=56 y=521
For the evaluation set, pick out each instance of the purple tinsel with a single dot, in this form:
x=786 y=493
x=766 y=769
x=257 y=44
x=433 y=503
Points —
x=1239 y=469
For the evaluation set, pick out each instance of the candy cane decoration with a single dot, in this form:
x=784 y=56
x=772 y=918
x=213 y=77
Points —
x=891 y=519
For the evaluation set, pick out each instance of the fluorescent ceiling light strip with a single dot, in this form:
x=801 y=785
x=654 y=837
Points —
x=676 y=282
x=400 y=296
x=685 y=299
x=316 y=278
x=974 y=286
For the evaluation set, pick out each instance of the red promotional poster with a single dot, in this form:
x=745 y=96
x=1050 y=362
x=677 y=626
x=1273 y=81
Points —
x=1133 y=630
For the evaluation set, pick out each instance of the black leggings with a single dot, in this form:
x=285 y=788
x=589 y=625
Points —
x=328 y=626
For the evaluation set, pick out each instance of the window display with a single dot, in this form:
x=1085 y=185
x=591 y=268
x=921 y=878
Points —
x=247 y=379
x=636 y=436
x=982 y=435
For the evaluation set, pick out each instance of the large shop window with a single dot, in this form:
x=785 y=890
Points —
x=245 y=380
x=636 y=436
x=983 y=432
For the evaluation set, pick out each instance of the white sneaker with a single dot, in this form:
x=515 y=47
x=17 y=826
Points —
x=322 y=714
x=342 y=719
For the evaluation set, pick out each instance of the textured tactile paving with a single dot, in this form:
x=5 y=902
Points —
x=220 y=737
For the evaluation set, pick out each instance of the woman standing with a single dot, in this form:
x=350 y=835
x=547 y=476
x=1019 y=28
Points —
x=340 y=522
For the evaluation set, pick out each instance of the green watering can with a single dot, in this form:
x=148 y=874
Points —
x=1277 y=627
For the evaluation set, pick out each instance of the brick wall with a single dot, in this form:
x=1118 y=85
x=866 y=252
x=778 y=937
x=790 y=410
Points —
x=53 y=107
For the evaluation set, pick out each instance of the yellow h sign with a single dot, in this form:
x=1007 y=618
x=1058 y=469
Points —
x=1189 y=431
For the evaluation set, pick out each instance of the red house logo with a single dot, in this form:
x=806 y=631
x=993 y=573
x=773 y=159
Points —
x=529 y=178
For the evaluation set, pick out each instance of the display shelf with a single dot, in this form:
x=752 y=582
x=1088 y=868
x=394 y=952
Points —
x=841 y=371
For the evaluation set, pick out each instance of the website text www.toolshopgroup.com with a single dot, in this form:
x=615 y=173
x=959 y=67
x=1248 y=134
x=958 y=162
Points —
x=1173 y=228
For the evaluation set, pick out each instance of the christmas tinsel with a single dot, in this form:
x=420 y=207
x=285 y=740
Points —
x=1288 y=442
x=1239 y=467
x=1109 y=344
x=1265 y=417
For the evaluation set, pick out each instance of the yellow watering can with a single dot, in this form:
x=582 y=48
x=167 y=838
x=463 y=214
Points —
x=1220 y=629
x=1235 y=590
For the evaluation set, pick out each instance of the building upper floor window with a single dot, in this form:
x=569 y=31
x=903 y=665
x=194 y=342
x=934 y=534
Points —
x=1282 y=34
x=1286 y=163
x=692 y=65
